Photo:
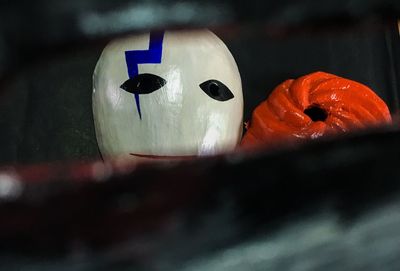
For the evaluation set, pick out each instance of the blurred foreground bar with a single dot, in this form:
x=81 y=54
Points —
x=329 y=205
x=27 y=27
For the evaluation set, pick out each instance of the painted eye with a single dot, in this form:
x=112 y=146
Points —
x=216 y=90
x=144 y=83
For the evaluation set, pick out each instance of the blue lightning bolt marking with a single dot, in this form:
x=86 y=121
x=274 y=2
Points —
x=151 y=56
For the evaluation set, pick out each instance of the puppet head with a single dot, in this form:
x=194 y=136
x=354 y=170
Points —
x=167 y=94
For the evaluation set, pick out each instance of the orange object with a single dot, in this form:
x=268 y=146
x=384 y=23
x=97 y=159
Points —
x=314 y=105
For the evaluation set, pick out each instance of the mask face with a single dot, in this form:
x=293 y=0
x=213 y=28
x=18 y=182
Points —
x=167 y=94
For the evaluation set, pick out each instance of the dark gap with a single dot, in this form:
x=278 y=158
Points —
x=316 y=113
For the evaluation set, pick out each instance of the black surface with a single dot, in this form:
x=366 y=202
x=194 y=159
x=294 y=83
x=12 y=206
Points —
x=46 y=111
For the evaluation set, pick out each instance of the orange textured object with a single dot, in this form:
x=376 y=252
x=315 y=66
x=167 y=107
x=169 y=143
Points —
x=313 y=105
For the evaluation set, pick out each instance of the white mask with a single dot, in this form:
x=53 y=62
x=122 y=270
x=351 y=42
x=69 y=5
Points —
x=152 y=96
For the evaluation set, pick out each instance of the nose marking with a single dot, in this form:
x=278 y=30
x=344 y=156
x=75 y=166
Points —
x=151 y=56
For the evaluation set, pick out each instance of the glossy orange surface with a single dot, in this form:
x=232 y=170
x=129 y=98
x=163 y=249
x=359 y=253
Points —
x=314 y=105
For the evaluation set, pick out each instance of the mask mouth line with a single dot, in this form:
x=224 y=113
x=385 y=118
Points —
x=151 y=156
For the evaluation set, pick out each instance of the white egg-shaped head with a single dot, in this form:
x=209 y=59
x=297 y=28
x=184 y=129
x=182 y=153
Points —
x=167 y=94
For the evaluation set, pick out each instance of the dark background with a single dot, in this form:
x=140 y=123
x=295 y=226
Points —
x=45 y=107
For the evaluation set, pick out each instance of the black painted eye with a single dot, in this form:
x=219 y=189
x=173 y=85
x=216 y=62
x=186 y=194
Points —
x=144 y=83
x=216 y=90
